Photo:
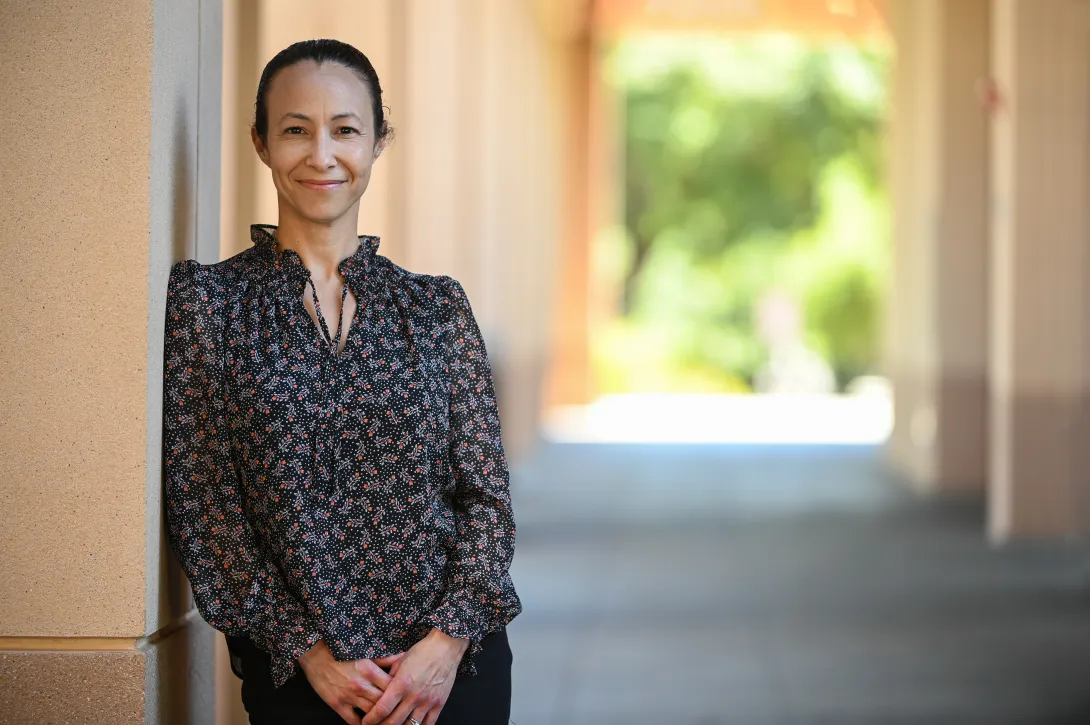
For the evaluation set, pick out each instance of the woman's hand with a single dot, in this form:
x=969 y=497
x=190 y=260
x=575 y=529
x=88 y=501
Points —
x=423 y=677
x=344 y=685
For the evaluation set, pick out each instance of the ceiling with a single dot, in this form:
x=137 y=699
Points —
x=852 y=18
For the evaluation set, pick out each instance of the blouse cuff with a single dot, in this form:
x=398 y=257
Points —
x=283 y=661
x=455 y=627
x=458 y=617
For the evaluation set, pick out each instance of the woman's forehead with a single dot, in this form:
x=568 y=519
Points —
x=312 y=85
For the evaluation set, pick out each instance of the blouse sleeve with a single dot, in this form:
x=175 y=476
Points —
x=479 y=596
x=237 y=588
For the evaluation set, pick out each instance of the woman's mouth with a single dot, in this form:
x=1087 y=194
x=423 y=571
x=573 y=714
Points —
x=322 y=184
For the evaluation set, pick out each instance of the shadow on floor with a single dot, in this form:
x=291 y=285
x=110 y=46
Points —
x=781 y=585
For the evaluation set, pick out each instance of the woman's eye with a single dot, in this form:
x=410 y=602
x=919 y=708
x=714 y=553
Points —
x=293 y=130
x=347 y=130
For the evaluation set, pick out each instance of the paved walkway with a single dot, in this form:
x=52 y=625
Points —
x=781 y=585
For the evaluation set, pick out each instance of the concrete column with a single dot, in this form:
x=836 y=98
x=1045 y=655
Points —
x=528 y=101
x=112 y=175
x=434 y=136
x=241 y=177
x=1040 y=275
x=569 y=381
x=936 y=346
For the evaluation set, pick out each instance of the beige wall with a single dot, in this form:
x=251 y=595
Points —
x=529 y=97
x=1040 y=273
x=102 y=190
x=73 y=469
x=936 y=349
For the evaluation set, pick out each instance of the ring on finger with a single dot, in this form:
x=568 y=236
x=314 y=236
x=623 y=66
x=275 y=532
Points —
x=414 y=721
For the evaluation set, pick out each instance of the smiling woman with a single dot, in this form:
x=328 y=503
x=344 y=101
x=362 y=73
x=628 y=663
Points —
x=338 y=493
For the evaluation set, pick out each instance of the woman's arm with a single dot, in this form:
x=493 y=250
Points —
x=479 y=596
x=237 y=588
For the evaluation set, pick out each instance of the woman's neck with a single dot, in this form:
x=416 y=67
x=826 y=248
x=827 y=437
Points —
x=320 y=246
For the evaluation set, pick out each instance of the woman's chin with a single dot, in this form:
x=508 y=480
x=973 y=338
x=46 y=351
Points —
x=323 y=214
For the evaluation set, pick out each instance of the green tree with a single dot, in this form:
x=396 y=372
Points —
x=734 y=164
x=709 y=168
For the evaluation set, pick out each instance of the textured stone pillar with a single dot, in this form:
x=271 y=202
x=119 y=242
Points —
x=1040 y=274
x=112 y=174
x=936 y=347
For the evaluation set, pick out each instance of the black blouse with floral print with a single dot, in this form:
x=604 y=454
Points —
x=358 y=497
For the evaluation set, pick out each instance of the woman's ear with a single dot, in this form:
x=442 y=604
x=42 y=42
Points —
x=259 y=146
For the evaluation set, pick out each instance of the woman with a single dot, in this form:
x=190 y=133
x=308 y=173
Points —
x=336 y=486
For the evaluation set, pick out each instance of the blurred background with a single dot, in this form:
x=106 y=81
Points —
x=650 y=206
x=784 y=300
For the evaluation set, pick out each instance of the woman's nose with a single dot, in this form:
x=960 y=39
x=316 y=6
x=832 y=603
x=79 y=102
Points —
x=321 y=152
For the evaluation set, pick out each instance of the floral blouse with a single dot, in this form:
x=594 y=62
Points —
x=358 y=497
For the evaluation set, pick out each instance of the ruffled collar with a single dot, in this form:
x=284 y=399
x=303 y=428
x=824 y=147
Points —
x=353 y=268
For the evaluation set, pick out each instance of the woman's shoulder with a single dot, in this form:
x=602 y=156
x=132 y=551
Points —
x=189 y=274
x=213 y=282
x=432 y=290
x=202 y=291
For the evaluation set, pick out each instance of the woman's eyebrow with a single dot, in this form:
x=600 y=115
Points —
x=304 y=117
x=292 y=114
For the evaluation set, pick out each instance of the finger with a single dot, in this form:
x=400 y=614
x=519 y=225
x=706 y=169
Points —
x=420 y=714
x=348 y=714
x=396 y=666
x=388 y=660
x=374 y=674
x=432 y=717
x=367 y=689
x=385 y=705
x=400 y=716
x=365 y=704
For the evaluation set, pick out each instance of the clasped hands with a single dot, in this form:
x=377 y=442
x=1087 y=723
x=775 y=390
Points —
x=417 y=685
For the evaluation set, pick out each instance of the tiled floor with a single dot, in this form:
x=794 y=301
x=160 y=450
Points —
x=781 y=585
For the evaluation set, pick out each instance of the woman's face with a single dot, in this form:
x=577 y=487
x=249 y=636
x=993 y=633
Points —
x=321 y=140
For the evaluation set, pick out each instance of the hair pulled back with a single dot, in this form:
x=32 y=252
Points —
x=321 y=51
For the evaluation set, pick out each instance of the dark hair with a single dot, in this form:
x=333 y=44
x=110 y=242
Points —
x=321 y=51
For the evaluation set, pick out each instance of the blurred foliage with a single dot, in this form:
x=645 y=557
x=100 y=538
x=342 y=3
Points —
x=751 y=165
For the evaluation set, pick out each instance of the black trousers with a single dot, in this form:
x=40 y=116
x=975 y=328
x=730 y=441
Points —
x=481 y=700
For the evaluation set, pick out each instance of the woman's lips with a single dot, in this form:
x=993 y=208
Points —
x=322 y=185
